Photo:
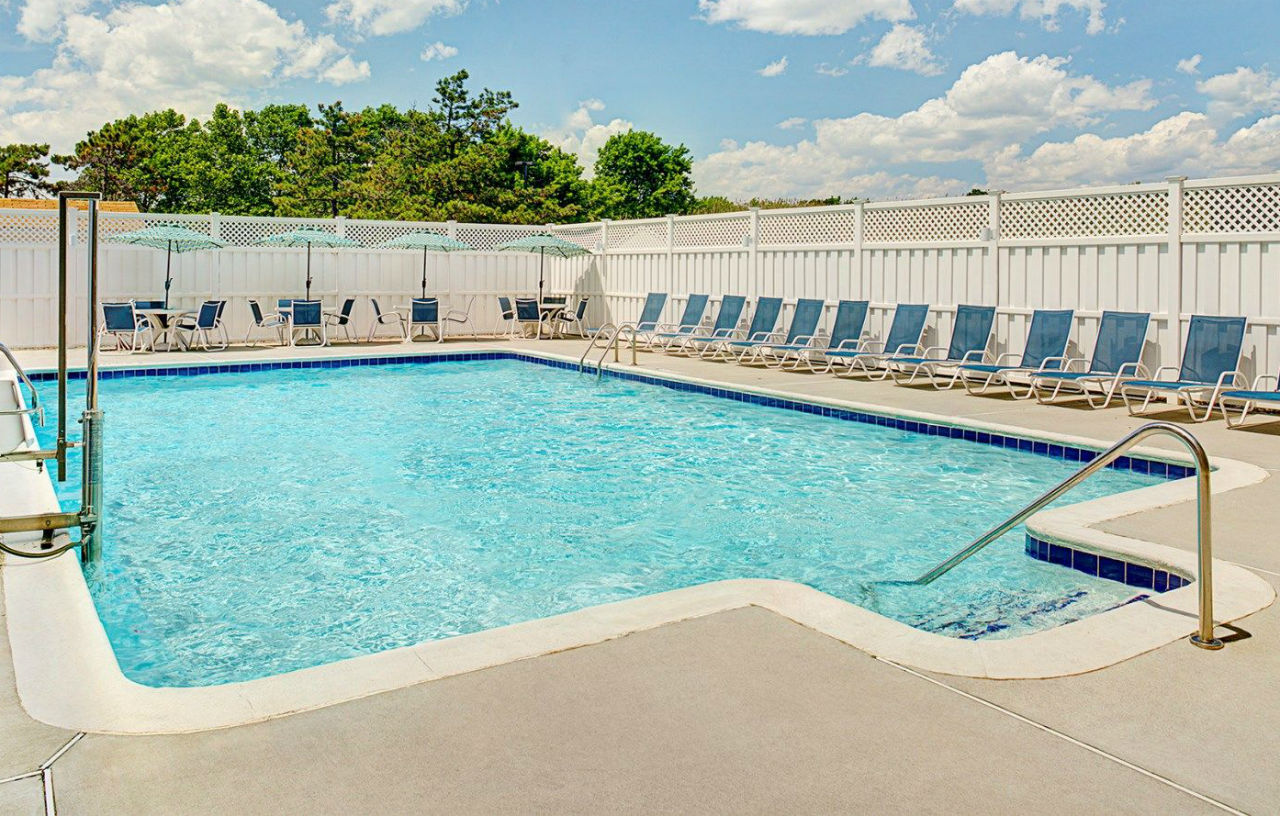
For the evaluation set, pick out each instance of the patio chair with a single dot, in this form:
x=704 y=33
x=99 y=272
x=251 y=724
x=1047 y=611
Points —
x=507 y=313
x=261 y=320
x=528 y=315
x=727 y=320
x=381 y=318
x=1209 y=363
x=1251 y=399
x=307 y=318
x=846 y=334
x=342 y=319
x=424 y=315
x=905 y=333
x=801 y=333
x=206 y=328
x=129 y=329
x=1045 y=351
x=459 y=318
x=1116 y=354
x=970 y=337
x=654 y=303
x=763 y=329
x=572 y=319
x=664 y=334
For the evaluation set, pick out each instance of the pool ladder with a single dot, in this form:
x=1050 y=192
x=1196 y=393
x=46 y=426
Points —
x=1204 y=530
x=611 y=335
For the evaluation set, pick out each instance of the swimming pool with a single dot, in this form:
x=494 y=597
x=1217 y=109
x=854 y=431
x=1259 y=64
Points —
x=261 y=522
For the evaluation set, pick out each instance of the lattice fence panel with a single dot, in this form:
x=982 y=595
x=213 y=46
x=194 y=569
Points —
x=485 y=237
x=28 y=227
x=1121 y=214
x=374 y=233
x=246 y=231
x=936 y=222
x=651 y=234
x=816 y=227
x=1245 y=208
x=584 y=235
x=712 y=232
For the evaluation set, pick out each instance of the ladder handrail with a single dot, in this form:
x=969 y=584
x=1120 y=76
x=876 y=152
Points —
x=613 y=345
x=34 y=407
x=1204 y=533
x=592 y=344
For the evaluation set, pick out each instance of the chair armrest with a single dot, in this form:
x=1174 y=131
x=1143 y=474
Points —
x=849 y=343
x=940 y=350
x=977 y=355
x=1162 y=369
x=1006 y=358
x=1235 y=376
x=873 y=346
x=803 y=339
x=1263 y=379
x=1067 y=362
x=1138 y=369
x=905 y=349
x=1060 y=360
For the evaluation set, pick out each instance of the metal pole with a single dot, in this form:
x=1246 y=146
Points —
x=91 y=509
x=168 y=279
x=424 y=273
x=308 y=270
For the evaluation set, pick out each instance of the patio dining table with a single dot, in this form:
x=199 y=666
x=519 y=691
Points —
x=164 y=323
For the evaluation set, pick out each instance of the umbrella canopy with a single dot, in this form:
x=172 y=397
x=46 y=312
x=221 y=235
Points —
x=306 y=238
x=427 y=242
x=170 y=239
x=544 y=245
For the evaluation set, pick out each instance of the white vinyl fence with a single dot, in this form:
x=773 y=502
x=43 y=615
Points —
x=1173 y=249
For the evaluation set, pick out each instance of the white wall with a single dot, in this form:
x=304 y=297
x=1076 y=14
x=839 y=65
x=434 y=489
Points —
x=1173 y=249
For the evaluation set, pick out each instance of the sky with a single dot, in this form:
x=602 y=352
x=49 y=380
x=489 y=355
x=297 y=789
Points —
x=774 y=98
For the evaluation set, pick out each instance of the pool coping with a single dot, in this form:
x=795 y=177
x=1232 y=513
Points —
x=67 y=674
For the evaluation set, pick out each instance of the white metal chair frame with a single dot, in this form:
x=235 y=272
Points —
x=269 y=320
x=203 y=336
x=141 y=338
x=388 y=318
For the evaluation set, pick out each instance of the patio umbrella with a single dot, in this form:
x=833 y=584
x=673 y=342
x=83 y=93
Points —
x=427 y=242
x=171 y=240
x=544 y=245
x=307 y=237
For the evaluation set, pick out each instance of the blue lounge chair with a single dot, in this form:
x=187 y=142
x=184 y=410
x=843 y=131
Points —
x=763 y=323
x=206 y=328
x=1249 y=399
x=904 y=338
x=1046 y=346
x=307 y=318
x=1116 y=354
x=129 y=329
x=801 y=334
x=846 y=333
x=654 y=303
x=664 y=334
x=1209 y=364
x=424 y=316
x=970 y=337
x=727 y=320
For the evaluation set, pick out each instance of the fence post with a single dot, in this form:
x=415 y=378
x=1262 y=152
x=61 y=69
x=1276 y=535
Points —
x=992 y=236
x=340 y=226
x=671 y=253
x=452 y=229
x=1175 y=259
x=753 y=252
x=215 y=225
x=857 y=273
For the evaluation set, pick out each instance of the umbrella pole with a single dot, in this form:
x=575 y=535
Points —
x=168 y=279
x=424 y=273
x=542 y=258
x=308 y=270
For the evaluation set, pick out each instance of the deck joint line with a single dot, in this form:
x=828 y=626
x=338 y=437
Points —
x=20 y=777
x=46 y=783
x=1067 y=738
x=48 y=763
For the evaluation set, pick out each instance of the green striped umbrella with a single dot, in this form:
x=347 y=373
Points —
x=427 y=242
x=171 y=239
x=308 y=237
x=544 y=245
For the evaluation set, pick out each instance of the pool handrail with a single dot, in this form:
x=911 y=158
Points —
x=34 y=408
x=1204 y=529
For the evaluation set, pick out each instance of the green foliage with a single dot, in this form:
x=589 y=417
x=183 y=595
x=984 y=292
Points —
x=24 y=169
x=712 y=205
x=137 y=158
x=640 y=176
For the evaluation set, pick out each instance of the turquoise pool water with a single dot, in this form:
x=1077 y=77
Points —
x=270 y=521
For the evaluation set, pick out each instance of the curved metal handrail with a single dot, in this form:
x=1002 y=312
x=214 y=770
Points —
x=34 y=407
x=1204 y=534
x=595 y=336
x=613 y=344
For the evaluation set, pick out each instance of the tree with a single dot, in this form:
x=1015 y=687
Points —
x=137 y=158
x=23 y=170
x=640 y=176
x=464 y=119
x=324 y=166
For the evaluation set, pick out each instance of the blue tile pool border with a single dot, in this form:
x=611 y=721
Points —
x=1037 y=447
x=1139 y=576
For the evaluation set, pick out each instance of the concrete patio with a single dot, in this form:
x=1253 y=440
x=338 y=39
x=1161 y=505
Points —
x=742 y=711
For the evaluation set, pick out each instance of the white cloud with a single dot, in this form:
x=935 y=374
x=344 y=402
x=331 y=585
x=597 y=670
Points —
x=382 y=17
x=1190 y=65
x=42 y=20
x=793 y=123
x=831 y=70
x=904 y=47
x=803 y=16
x=776 y=68
x=1241 y=92
x=582 y=136
x=438 y=51
x=1000 y=102
x=185 y=54
x=1046 y=11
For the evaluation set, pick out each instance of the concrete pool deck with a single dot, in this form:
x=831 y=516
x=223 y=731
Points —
x=741 y=711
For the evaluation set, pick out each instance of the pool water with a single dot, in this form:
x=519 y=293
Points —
x=263 y=522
